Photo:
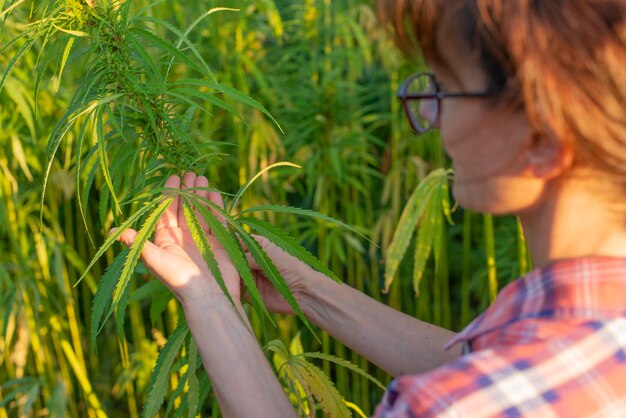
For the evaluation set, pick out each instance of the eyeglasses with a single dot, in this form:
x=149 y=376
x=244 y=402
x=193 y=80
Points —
x=421 y=98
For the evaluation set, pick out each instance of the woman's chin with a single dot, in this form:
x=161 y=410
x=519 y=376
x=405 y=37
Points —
x=498 y=195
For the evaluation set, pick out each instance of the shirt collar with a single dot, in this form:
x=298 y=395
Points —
x=589 y=287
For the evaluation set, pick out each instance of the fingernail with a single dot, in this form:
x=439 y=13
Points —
x=112 y=231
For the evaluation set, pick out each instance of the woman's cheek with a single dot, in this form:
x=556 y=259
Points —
x=490 y=164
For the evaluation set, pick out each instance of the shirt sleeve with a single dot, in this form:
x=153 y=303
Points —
x=408 y=397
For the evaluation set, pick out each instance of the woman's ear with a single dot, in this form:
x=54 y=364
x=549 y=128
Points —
x=548 y=157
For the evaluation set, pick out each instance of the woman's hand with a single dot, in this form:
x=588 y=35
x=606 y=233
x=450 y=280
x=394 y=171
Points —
x=297 y=274
x=230 y=352
x=174 y=258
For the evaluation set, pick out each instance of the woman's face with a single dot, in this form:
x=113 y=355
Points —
x=493 y=150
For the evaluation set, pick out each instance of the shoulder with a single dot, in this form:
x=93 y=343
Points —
x=567 y=376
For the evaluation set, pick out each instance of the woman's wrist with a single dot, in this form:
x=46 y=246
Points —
x=309 y=291
x=201 y=292
x=204 y=303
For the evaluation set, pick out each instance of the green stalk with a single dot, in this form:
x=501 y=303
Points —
x=466 y=266
x=38 y=353
x=444 y=281
x=490 y=249
x=80 y=373
x=523 y=255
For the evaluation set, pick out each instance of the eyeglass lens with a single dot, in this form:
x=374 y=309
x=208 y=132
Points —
x=423 y=112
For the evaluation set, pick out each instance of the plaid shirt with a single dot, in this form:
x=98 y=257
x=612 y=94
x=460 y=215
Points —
x=553 y=344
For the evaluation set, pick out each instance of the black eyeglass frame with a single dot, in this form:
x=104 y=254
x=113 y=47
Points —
x=439 y=95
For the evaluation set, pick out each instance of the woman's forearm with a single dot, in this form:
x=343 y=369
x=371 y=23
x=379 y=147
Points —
x=395 y=342
x=243 y=381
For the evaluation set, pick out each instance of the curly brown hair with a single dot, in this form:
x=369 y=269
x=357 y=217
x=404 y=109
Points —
x=565 y=61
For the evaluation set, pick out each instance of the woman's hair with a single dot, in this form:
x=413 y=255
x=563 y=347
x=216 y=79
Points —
x=565 y=61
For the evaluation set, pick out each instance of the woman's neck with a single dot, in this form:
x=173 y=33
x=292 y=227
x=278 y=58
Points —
x=573 y=221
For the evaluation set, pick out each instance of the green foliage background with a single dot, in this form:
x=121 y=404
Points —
x=328 y=75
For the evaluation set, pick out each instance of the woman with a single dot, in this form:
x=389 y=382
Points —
x=530 y=97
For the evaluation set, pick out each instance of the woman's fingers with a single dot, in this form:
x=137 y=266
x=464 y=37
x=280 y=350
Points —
x=264 y=243
x=252 y=262
x=189 y=180
x=169 y=219
x=216 y=197
x=203 y=182
x=150 y=254
x=174 y=216
x=163 y=264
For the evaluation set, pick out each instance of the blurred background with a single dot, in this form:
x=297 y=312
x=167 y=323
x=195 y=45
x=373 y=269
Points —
x=328 y=73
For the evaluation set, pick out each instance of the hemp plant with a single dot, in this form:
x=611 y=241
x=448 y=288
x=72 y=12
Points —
x=424 y=214
x=133 y=108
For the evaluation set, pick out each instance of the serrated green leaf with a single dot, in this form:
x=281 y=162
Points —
x=288 y=244
x=272 y=273
x=120 y=308
x=103 y=294
x=16 y=57
x=331 y=401
x=158 y=304
x=21 y=98
x=184 y=96
x=445 y=202
x=176 y=396
x=234 y=251
x=166 y=47
x=21 y=387
x=77 y=175
x=182 y=93
x=205 y=387
x=412 y=213
x=66 y=54
x=231 y=92
x=103 y=206
x=436 y=215
x=148 y=290
x=132 y=260
x=98 y=133
x=182 y=37
x=299 y=386
x=287 y=368
x=277 y=346
x=302 y=212
x=281 y=355
x=423 y=245
x=430 y=231
x=344 y=363
x=199 y=237
x=61 y=128
x=295 y=346
x=116 y=234
x=157 y=388
x=145 y=58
